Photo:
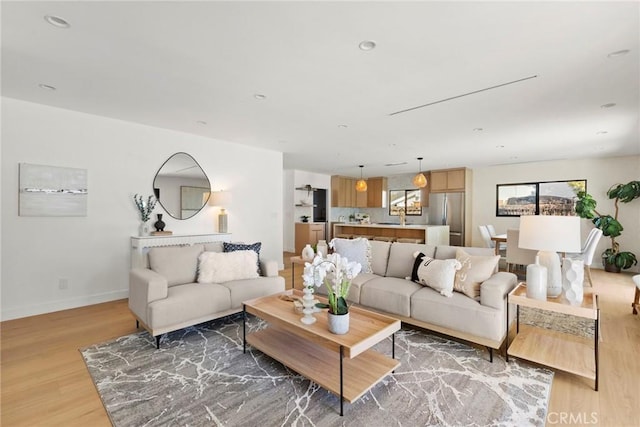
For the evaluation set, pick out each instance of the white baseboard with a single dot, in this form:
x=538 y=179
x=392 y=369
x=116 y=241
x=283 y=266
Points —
x=50 y=307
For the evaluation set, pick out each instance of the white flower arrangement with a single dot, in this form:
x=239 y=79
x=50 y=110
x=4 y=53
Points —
x=336 y=272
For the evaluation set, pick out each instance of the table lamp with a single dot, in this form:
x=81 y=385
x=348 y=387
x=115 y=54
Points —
x=550 y=234
x=221 y=199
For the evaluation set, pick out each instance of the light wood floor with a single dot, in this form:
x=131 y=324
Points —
x=45 y=382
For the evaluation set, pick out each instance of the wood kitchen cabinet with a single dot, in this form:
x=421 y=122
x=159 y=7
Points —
x=308 y=233
x=447 y=180
x=344 y=194
x=377 y=192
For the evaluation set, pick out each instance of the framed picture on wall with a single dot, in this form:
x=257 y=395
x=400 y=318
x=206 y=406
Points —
x=539 y=198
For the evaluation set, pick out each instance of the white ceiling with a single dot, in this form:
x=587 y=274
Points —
x=173 y=64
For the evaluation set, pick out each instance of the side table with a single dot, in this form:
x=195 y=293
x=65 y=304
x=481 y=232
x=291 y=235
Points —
x=559 y=350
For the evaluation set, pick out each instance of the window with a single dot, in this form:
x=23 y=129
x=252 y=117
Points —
x=539 y=198
x=405 y=199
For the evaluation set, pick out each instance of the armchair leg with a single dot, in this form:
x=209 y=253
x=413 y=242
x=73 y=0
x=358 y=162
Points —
x=137 y=324
x=588 y=268
x=158 y=342
x=490 y=354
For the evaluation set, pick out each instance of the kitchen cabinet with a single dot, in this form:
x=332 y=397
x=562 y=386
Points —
x=308 y=233
x=344 y=194
x=377 y=192
x=447 y=180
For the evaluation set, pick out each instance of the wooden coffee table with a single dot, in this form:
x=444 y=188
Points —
x=345 y=365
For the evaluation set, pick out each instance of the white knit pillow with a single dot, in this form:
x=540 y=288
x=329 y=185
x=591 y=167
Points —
x=220 y=267
x=356 y=250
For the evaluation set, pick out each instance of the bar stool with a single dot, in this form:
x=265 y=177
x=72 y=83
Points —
x=343 y=236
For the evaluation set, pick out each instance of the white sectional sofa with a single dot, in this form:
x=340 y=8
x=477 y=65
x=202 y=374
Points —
x=386 y=289
x=167 y=296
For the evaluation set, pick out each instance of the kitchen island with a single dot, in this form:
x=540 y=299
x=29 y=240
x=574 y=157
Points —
x=429 y=234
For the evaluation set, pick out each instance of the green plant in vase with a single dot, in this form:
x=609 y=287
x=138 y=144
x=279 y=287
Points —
x=612 y=258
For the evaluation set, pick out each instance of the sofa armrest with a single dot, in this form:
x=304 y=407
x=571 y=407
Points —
x=269 y=268
x=493 y=291
x=145 y=286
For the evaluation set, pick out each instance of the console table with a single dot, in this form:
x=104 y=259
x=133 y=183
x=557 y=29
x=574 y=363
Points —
x=140 y=245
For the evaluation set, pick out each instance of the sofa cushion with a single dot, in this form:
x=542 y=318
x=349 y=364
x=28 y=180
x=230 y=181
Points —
x=379 y=256
x=459 y=313
x=437 y=274
x=218 y=267
x=401 y=258
x=178 y=264
x=243 y=290
x=389 y=294
x=356 y=250
x=354 y=289
x=475 y=270
x=214 y=247
x=447 y=252
x=188 y=301
x=231 y=247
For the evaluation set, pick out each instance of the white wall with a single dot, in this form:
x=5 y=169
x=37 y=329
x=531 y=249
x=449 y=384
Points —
x=92 y=252
x=600 y=174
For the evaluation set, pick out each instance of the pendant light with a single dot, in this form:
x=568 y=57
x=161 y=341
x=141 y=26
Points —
x=420 y=181
x=361 y=185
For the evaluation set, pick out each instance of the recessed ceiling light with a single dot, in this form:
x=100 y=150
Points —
x=260 y=96
x=618 y=53
x=201 y=122
x=343 y=126
x=367 y=45
x=609 y=105
x=46 y=87
x=513 y=158
x=601 y=132
x=499 y=146
x=56 y=21
x=478 y=129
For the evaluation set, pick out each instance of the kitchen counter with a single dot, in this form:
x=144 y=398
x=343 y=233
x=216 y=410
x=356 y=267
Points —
x=430 y=234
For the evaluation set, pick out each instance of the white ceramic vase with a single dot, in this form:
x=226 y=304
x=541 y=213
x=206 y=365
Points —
x=572 y=280
x=308 y=306
x=144 y=230
x=307 y=253
x=322 y=248
x=338 y=323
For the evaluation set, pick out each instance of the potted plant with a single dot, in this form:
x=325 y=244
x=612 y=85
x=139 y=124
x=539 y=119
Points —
x=613 y=259
x=336 y=272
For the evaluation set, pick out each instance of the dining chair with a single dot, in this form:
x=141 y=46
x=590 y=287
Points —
x=517 y=258
x=492 y=232
x=636 y=299
x=587 y=252
x=484 y=232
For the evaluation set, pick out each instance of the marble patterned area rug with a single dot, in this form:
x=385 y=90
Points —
x=200 y=377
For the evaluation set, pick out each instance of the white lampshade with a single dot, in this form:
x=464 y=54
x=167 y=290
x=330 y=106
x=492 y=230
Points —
x=220 y=199
x=550 y=233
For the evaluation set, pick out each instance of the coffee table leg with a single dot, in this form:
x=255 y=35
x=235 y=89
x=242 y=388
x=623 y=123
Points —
x=393 y=349
x=341 y=382
x=244 y=328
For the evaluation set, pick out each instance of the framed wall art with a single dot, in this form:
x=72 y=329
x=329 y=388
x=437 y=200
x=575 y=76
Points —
x=52 y=191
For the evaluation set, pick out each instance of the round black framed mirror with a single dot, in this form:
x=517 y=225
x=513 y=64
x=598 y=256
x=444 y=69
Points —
x=181 y=186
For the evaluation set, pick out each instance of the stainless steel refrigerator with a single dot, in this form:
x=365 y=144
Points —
x=448 y=209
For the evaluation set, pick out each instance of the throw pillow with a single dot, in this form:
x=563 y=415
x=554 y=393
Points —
x=475 y=270
x=438 y=274
x=356 y=250
x=231 y=247
x=220 y=267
